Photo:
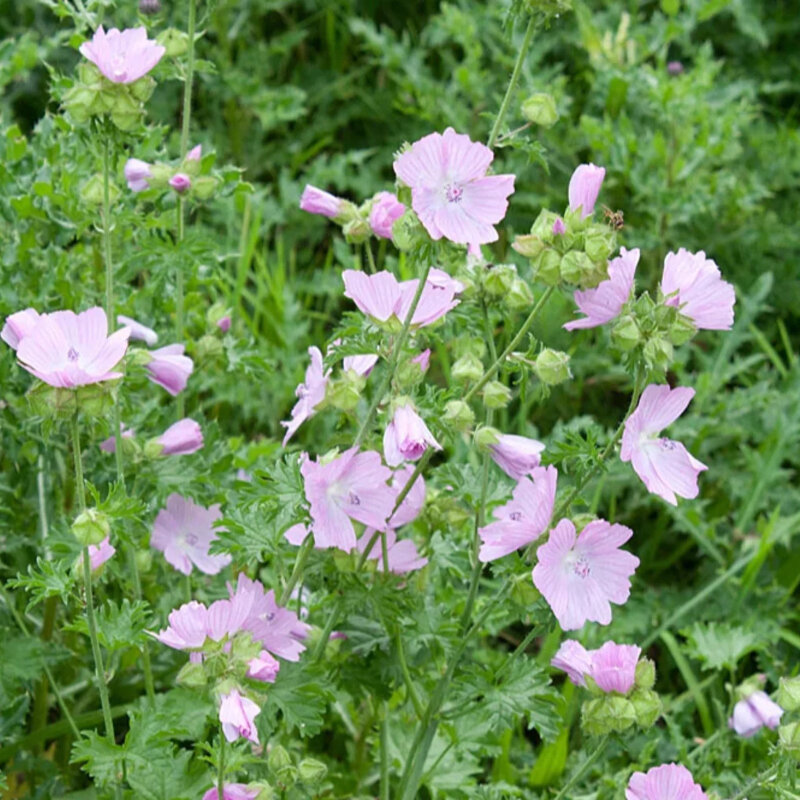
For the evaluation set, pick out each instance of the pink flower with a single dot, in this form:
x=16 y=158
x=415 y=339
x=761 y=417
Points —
x=386 y=208
x=361 y=365
x=123 y=57
x=667 y=782
x=137 y=174
x=232 y=791
x=263 y=668
x=755 y=712
x=100 y=553
x=614 y=667
x=666 y=467
x=110 y=445
x=18 y=326
x=381 y=296
x=604 y=303
x=516 y=455
x=406 y=437
x=674 y=67
x=67 y=350
x=574 y=659
x=693 y=284
x=453 y=196
x=423 y=360
x=237 y=715
x=138 y=331
x=403 y=556
x=352 y=486
x=195 y=154
x=309 y=394
x=224 y=324
x=181 y=438
x=581 y=576
x=584 y=186
x=316 y=201
x=559 y=227
x=183 y=532
x=524 y=519
x=180 y=182
x=170 y=368
x=188 y=627
x=278 y=630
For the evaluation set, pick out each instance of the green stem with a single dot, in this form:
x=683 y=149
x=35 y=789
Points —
x=487 y=376
x=373 y=267
x=767 y=775
x=110 y=318
x=410 y=688
x=512 y=84
x=384 y=785
x=91 y=621
x=297 y=571
x=582 y=769
x=147 y=666
x=221 y=765
x=179 y=295
x=393 y=361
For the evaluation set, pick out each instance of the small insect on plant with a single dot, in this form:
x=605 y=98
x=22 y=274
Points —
x=615 y=218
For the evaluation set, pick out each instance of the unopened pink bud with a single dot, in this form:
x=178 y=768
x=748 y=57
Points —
x=180 y=182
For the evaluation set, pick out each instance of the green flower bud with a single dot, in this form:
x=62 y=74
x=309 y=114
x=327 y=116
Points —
x=645 y=676
x=552 y=367
x=175 y=42
x=265 y=791
x=407 y=231
x=409 y=374
x=580 y=521
x=789 y=693
x=344 y=393
x=647 y=706
x=496 y=394
x=540 y=109
x=403 y=192
x=543 y=225
x=528 y=245
x=278 y=758
x=485 y=437
x=576 y=267
x=192 y=675
x=160 y=175
x=789 y=738
x=607 y=714
x=519 y=296
x=467 y=368
x=80 y=101
x=625 y=334
x=126 y=111
x=153 y=449
x=347 y=213
x=599 y=245
x=92 y=191
x=459 y=415
x=142 y=90
x=311 y=771
x=681 y=330
x=207 y=348
x=204 y=186
x=217 y=312
x=91 y=526
x=547 y=267
x=144 y=560
x=356 y=231
x=658 y=353
x=95 y=399
x=499 y=279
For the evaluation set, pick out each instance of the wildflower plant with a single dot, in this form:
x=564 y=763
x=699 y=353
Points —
x=377 y=591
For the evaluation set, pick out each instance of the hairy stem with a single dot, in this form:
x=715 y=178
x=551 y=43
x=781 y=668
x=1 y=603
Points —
x=578 y=774
x=297 y=571
x=221 y=765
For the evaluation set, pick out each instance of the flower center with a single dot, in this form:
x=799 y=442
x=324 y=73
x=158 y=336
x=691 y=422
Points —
x=581 y=567
x=353 y=499
x=72 y=354
x=453 y=193
x=118 y=67
x=666 y=444
x=191 y=539
x=515 y=515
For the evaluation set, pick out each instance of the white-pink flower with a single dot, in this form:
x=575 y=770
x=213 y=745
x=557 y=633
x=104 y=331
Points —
x=612 y=667
x=386 y=208
x=170 y=368
x=406 y=437
x=584 y=186
x=263 y=668
x=754 y=712
x=232 y=791
x=362 y=365
x=122 y=56
x=237 y=714
x=317 y=201
x=67 y=350
x=604 y=303
x=18 y=326
x=693 y=284
x=181 y=438
x=138 y=331
x=100 y=553
x=574 y=659
x=184 y=531
x=667 y=782
x=187 y=628
x=402 y=554
x=580 y=576
x=524 y=518
x=110 y=445
x=451 y=193
x=516 y=455
x=310 y=394
x=138 y=174
x=665 y=466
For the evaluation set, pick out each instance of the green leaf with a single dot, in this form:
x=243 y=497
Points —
x=299 y=697
x=46 y=579
x=718 y=645
x=101 y=759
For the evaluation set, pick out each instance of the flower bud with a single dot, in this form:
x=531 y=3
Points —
x=789 y=693
x=208 y=347
x=528 y=245
x=344 y=393
x=192 y=675
x=180 y=182
x=552 y=367
x=577 y=267
x=265 y=791
x=499 y=279
x=789 y=738
x=280 y=764
x=547 y=267
x=543 y=225
x=356 y=231
x=681 y=330
x=607 y=714
x=126 y=112
x=458 y=414
x=496 y=395
x=645 y=674
x=658 y=353
x=646 y=705
x=625 y=334
x=467 y=368
x=486 y=436
x=91 y=526
x=93 y=191
x=540 y=109
x=411 y=371
x=204 y=186
x=144 y=560
x=407 y=230
x=599 y=245
x=142 y=90
x=519 y=297
x=174 y=42
x=149 y=7
x=81 y=102
x=311 y=771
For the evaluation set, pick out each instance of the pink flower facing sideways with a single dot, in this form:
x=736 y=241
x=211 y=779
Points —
x=232 y=791
x=522 y=520
x=584 y=186
x=580 y=576
x=406 y=437
x=667 y=782
x=382 y=297
x=237 y=715
x=181 y=438
x=67 y=350
x=122 y=56
x=183 y=532
x=99 y=554
x=310 y=394
x=665 y=466
x=451 y=193
x=317 y=201
x=693 y=284
x=604 y=303
x=612 y=667
x=137 y=174
x=18 y=326
x=110 y=445
x=351 y=486
x=386 y=208
x=753 y=713
x=138 y=331
x=170 y=368
x=516 y=455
